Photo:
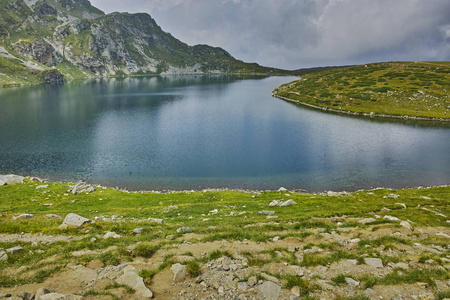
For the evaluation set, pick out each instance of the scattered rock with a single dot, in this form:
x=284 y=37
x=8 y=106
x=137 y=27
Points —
x=44 y=186
x=295 y=291
x=23 y=216
x=183 y=229
x=132 y=279
x=111 y=234
x=425 y=198
x=367 y=221
x=2 y=296
x=252 y=281
x=159 y=221
x=266 y=212
x=52 y=216
x=281 y=203
x=170 y=209
x=74 y=220
x=269 y=290
x=138 y=230
x=391 y=218
x=56 y=296
x=394 y=196
x=41 y=292
x=282 y=189
x=405 y=224
x=11 y=179
x=179 y=272
x=3 y=255
x=243 y=286
x=14 y=250
x=26 y=296
x=351 y=282
x=270 y=278
x=82 y=187
x=374 y=262
x=214 y=211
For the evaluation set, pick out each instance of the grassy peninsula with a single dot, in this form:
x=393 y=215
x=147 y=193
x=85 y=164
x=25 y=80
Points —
x=359 y=245
x=412 y=89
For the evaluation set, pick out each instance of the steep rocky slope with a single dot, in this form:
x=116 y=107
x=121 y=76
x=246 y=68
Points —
x=79 y=40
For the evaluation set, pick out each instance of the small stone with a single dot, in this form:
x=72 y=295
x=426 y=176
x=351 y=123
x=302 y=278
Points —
x=374 y=262
x=113 y=235
x=391 y=218
x=425 y=198
x=42 y=186
x=296 y=291
x=269 y=290
x=170 y=237
x=92 y=239
x=221 y=290
x=289 y=202
x=138 y=230
x=430 y=261
x=282 y=189
x=394 y=196
x=266 y=212
x=179 y=272
x=405 y=224
x=366 y=220
x=14 y=249
x=26 y=296
x=351 y=282
x=2 y=296
x=41 y=292
x=154 y=220
x=82 y=187
x=252 y=281
x=23 y=216
x=370 y=291
x=183 y=229
x=214 y=211
x=243 y=286
x=74 y=220
x=3 y=256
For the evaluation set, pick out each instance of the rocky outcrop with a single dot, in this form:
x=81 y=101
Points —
x=40 y=51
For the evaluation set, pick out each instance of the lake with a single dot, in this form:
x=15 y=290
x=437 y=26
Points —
x=195 y=132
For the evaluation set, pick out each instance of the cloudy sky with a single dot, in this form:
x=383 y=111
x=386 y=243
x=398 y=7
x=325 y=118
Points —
x=294 y=34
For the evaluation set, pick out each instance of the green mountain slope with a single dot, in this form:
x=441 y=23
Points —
x=78 y=40
x=411 y=89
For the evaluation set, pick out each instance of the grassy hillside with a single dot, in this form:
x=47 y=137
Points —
x=317 y=236
x=414 y=89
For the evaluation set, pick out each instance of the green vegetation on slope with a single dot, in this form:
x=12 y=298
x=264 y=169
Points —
x=414 y=89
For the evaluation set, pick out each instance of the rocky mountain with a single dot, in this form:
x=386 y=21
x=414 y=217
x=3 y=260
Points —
x=46 y=40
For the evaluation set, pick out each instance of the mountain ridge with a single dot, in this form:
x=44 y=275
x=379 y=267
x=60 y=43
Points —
x=49 y=40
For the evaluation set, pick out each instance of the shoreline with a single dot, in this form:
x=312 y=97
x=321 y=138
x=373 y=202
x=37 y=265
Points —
x=361 y=114
x=224 y=189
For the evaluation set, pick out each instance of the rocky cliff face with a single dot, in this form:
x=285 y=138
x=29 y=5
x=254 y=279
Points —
x=81 y=41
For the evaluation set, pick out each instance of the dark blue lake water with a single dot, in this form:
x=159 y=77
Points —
x=191 y=132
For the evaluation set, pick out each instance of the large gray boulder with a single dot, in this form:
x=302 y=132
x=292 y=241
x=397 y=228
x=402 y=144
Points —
x=11 y=179
x=74 y=220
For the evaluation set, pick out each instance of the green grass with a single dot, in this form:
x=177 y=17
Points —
x=314 y=213
x=415 y=89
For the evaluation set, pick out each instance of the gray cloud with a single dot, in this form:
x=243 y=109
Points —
x=303 y=33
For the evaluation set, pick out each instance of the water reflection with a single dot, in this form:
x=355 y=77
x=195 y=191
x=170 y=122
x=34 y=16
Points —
x=183 y=132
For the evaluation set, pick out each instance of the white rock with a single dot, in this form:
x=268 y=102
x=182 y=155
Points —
x=183 y=229
x=274 y=203
x=391 y=218
x=154 y=220
x=425 y=198
x=11 y=179
x=138 y=230
x=395 y=196
x=214 y=211
x=282 y=189
x=82 y=187
x=405 y=224
x=113 y=235
x=351 y=282
x=401 y=204
x=132 y=279
x=288 y=203
x=56 y=296
x=367 y=220
x=266 y=212
x=42 y=186
x=14 y=249
x=23 y=216
x=74 y=220
x=374 y=262
x=269 y=290
x=3 y=256
x=179 y=272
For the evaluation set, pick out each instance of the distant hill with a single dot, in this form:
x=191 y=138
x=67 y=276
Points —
x=411 y=89
x=49 y=40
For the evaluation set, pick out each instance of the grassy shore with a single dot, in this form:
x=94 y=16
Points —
x=230 y=224
x=413 y=89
